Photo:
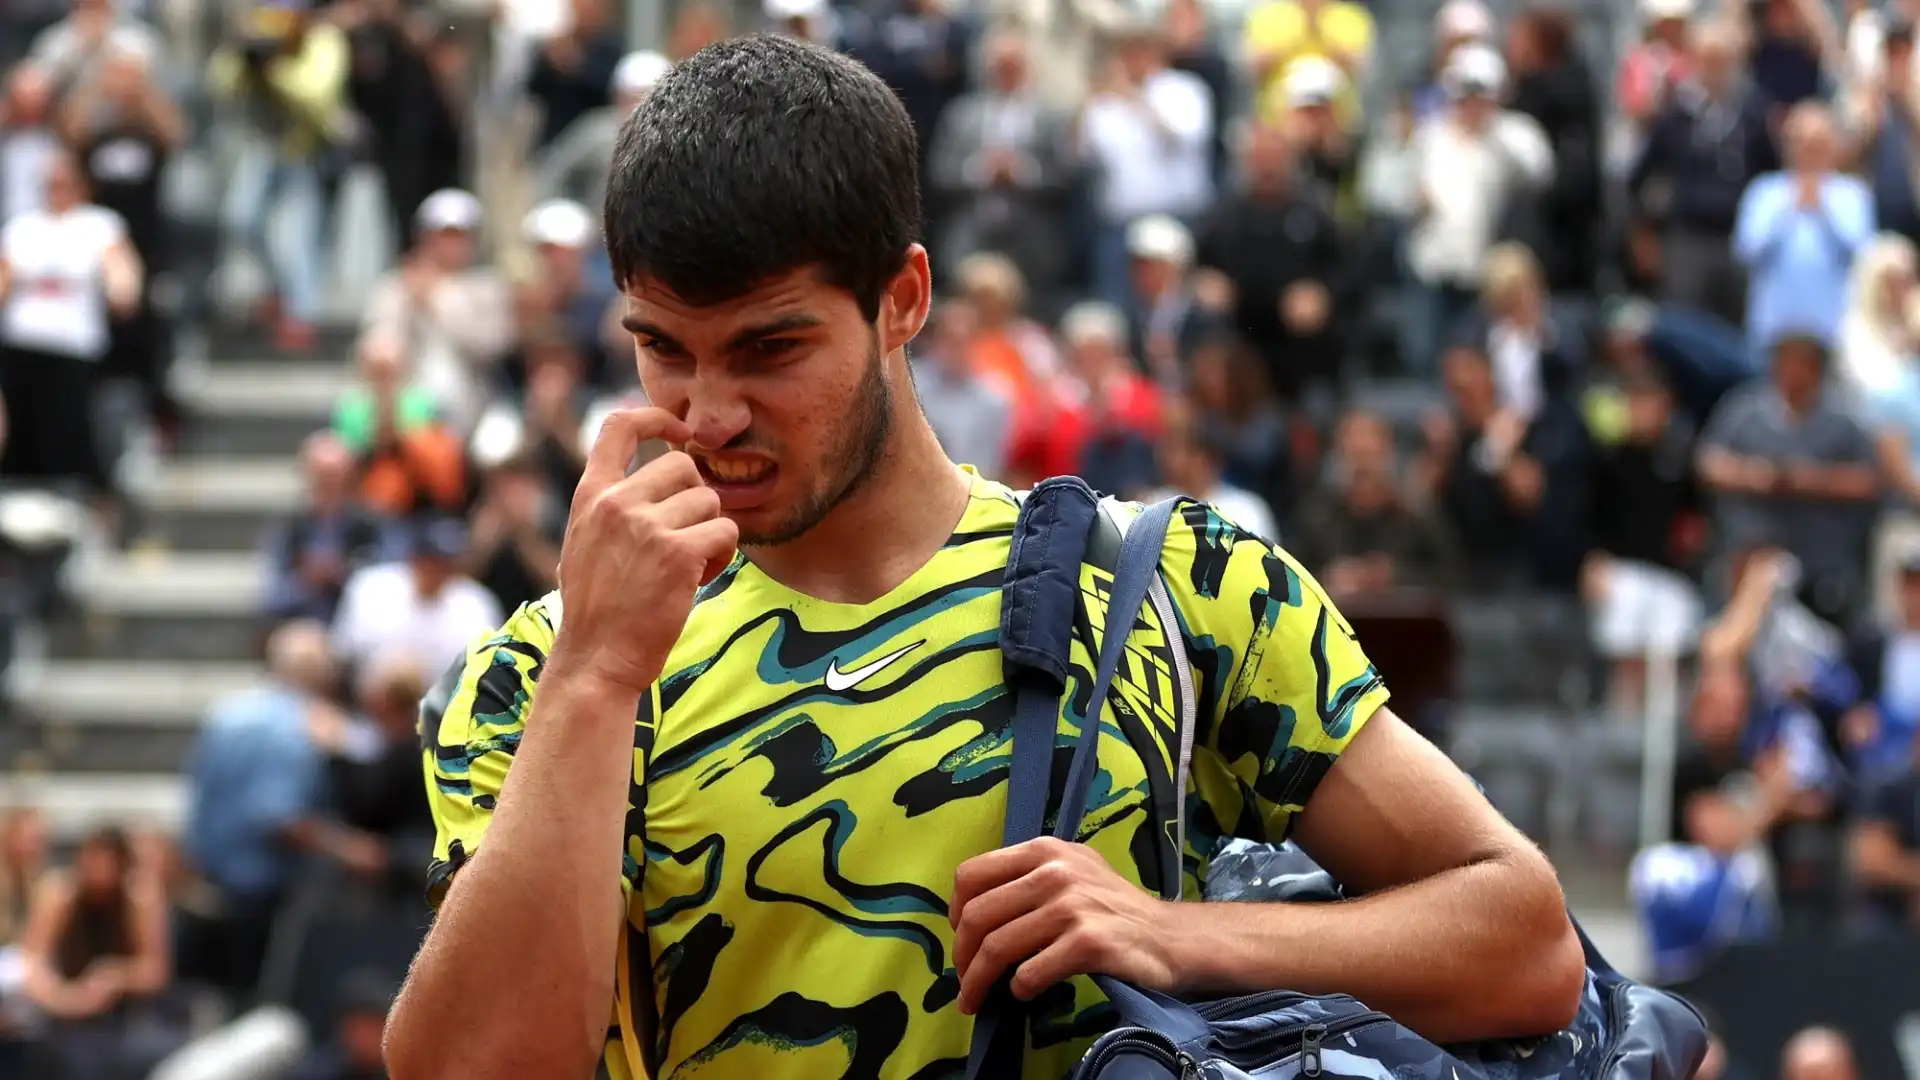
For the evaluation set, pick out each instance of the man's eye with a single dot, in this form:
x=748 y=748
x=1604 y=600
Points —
x=660 y=351
x=772 y=348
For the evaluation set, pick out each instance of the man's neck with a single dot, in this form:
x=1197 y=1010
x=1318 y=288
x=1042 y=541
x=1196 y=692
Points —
x=882 y=533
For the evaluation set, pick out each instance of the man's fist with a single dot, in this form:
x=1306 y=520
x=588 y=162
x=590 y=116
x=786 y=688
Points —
x=636 y=550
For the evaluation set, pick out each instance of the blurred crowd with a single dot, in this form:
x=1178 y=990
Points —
x=1644 y=339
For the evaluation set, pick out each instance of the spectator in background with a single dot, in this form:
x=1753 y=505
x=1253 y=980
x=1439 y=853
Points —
x=96 y=953
x=573 y=291
x=253 y=782
x=1787 y=61
x=1279 y=33
x=924 y=52
x=1148 y=129
x=574 y=166
x=1879 y=730
x=1712 y=891
x=1232 y=401
x=23 y=858
x=1457 y=23
x=1471 y=162
x=1645 y=518
x=1885 y=845
x=1011 y=353
x=310 y=556
x=573 y=74
x=124 y=130
x=288 y=72
x=29 y=141
x=414 y=116
x=808 y=20
x=1277 y=256
x=353 y=1051
x=517 y=528
x=1170 y=319
x=1789 y=464
x=453 y=317
x=1657 y=65
x=423 y=607
x=1884 y=115
x=696 y=25
x=996 y=172
x=1115 y=418
x=970 y=418
x=1190 y=464
x=1360 y=534
x=65 y=272
x=1705 y=146
x=547 y=420
x=1536 y=352
x=1552 y=84
x=1818 y=1053
x=1192 y=49
x=1875 y=364
x=408 y=460
x=1512 y=487
x=72 y=50
x=1798 y=232
x=1317 y=133
x=373 y=777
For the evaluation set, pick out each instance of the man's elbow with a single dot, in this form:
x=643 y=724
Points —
x=1550 y=967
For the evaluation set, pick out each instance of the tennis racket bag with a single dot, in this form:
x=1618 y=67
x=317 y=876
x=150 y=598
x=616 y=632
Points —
x=1624 y=1031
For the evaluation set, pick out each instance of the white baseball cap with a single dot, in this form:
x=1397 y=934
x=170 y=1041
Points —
x=1475 y=70
x=782 y=10
x=638 y=72
x=1660 y=10
x=1160 y=238
x=448 y=208
x=560 y=223
x=1312 y=80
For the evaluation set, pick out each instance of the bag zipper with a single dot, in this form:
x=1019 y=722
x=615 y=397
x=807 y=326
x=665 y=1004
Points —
x=1264 y=1001
x=1615 y=1006
x=1310 y=1036
x=1140 y=1041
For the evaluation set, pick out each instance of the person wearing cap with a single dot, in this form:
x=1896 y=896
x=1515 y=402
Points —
x=1657 y=63
x=1279 y=32
x=1148 y=130
x=995 y=163
x=455 y=317
x=1319 y=125
x=1472 y=164
x=1704 y=147
x=1883 y=115
x=573 y=73
x=423 y=606
x=1457 y=23
x=1798 y=232
x=1272 y=252
x=1168 y=323
x=574 y=166
x=288 y=72
x=573 y=286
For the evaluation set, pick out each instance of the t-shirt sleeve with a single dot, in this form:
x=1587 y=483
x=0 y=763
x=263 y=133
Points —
x=1281 y=683
x=471 y=725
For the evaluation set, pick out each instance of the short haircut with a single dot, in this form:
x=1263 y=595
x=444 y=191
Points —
x=759 y=156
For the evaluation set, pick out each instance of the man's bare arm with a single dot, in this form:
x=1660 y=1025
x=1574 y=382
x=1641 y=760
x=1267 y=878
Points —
x=1461 y=930
x=537 y=909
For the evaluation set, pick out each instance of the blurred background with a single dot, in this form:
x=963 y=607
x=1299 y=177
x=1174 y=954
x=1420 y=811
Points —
x=1573 y=346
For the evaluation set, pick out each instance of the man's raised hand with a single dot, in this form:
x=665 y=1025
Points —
x=637 y=548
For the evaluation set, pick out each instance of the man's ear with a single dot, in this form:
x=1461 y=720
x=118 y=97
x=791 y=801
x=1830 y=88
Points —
x=904 y=304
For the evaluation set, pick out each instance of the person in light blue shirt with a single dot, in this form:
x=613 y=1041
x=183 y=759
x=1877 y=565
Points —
x=1798 y=231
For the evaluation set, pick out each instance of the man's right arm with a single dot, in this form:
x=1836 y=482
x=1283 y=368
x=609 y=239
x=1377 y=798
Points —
x=539 y=906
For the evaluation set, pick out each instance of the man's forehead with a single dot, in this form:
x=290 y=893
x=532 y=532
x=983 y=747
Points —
x=802 y=292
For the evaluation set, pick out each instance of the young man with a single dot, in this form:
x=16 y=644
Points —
x=744 y=805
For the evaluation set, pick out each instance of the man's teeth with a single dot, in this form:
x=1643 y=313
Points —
x=736 y=473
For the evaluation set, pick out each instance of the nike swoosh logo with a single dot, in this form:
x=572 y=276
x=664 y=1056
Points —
x=840 y=681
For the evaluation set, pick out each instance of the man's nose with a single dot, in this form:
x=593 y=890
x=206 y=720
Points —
x=716 y=412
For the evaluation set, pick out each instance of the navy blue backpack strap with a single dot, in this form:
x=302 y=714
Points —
x=1039 y=601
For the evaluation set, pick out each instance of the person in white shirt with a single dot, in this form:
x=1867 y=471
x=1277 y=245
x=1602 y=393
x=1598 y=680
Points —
x=1471 y=161
x=423 y=607
x=1148 y=131
x=65 y=270
x=1190 y=465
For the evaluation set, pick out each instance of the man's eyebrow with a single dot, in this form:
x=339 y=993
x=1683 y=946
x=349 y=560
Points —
x=785 y=324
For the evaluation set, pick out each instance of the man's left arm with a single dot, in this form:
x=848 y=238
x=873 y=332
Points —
x=1460 y=931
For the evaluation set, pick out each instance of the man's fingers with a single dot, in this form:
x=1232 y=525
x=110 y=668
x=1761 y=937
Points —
x=715 y=540
x=620 y=438
x=688 y=507
x=995 y=908
x=1005 y=948
x=983 y=873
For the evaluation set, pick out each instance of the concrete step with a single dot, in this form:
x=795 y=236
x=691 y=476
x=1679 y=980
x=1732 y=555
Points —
x=130 y=693
x=154 y=636
x=237 y=435
x=260 y=484
x=207 y=531
x=157 y=582
x=292 y=390
x=77 y=750
x=76 y=804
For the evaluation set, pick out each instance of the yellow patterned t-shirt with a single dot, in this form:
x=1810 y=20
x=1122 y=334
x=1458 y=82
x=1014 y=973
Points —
x=808 y=776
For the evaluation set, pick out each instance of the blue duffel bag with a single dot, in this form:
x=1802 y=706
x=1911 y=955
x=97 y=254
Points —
x=1624 y=1031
